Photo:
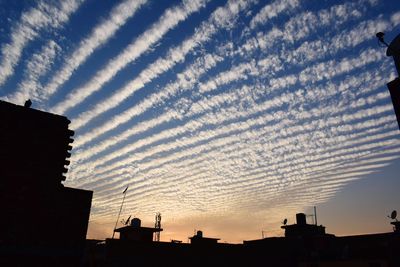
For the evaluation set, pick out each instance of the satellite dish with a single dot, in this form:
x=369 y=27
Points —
x=284 y=221
x=393 y=215
x=127 y=221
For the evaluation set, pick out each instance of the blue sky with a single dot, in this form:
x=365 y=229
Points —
x=225 y=116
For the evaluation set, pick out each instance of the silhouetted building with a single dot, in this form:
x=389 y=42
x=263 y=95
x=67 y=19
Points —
x=393 y=50
x=394 y=89
x=199 y=239
x=135 y=232
x=304 y=245
x=202 y=251
x=42 y=221
x=302 y=229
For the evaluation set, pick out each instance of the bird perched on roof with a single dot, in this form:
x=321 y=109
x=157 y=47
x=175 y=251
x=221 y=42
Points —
x=28 y=103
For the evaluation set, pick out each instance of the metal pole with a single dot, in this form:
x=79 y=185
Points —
x=315 y=215
x=119 y=213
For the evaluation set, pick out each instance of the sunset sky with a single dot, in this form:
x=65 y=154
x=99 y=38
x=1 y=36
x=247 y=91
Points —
x=225 y=116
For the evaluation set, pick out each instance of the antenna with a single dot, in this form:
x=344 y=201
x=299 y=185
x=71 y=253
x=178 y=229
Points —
x=380 y=36
x=393 y=49
x=312 y=216
x=157 y=225
x=127 y=221
x=262 y=233
x=120 y=209
x=315 y=215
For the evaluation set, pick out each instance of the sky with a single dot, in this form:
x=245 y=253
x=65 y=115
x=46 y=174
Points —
x=224 y=116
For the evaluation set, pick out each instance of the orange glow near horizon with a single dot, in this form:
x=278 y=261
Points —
x=233 y=230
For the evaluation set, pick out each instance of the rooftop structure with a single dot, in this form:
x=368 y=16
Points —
x=302 y=229
x=199 y=239
x=303 y=245
x=135 y=232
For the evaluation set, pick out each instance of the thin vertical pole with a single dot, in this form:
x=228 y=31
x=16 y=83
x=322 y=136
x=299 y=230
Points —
x=315 y=215
x=119 y=213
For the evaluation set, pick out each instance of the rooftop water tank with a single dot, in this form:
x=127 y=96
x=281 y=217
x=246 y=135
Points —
x=136 y=222
x=199 y=234
x=301 y=219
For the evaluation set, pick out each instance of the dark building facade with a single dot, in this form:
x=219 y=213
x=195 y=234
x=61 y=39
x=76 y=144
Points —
x=393 y=50
x=41 y=219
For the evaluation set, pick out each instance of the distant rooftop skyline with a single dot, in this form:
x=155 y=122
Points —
x=225 y=116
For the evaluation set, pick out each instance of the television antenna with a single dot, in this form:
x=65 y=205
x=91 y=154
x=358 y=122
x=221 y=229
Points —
x=127 y=220
x=157 y=225
x=393 y=49
x=120 y=209
x=380 y=36
x=314 y=216
x=263 y=233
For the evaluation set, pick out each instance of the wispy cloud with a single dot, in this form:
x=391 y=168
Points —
x=297 y=109
x=169 y=20
x=395 y=19
x=254 y=182
x=185 y=81
x=207 y=151
x=43 y=16
x=221 y=17
x=100 y=34
x=36 y=67
x=208 y=103
x=271 y=11
x=307 y=22
x=237 y=73
x=213 y=119
x=222 y=138
x=248 y=102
